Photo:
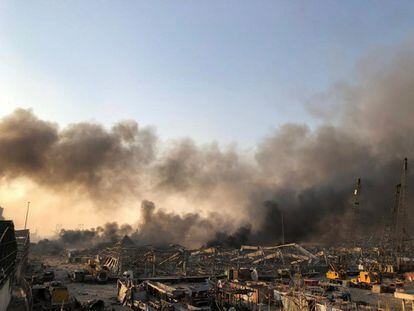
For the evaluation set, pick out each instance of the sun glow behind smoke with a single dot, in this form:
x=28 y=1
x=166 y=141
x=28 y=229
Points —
x=48 y=209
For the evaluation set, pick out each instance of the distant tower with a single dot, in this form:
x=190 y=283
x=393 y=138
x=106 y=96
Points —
x=1 y=213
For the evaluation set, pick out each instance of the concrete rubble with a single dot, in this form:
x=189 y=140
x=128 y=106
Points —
x=281 y=277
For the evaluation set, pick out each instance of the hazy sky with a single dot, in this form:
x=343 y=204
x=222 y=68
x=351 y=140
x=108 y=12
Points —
x=213 y=70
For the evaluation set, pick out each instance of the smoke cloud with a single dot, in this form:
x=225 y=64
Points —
x=305 y=174
x=83 y=155
x=156 y=227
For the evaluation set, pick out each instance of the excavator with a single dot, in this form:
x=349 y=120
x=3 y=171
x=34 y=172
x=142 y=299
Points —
x=365 y=279
x=335 y=275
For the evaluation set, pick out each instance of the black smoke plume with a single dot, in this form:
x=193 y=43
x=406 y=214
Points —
x=231 y=240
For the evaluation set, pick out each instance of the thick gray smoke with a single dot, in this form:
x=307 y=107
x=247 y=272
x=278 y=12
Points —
x=160 y=228
x=94 y=238
x=156 y=228
x=105 y=163
x=308 y=174
x=368 y=133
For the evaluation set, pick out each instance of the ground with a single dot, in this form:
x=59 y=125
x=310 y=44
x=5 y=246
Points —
x=83 y=292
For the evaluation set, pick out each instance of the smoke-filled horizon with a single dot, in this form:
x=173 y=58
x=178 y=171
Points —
x=207 y=192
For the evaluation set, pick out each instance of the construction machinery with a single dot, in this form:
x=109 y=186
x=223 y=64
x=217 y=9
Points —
x=366 y=279
x=395 y=235
x=354 y=215
x=99 y=273
x=53 y=296
x=401 y=213
x=335 y=275
x=356 y=196
x=395 y=255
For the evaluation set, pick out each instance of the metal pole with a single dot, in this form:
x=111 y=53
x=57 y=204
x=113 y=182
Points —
x=27 y=214
x=283 y=229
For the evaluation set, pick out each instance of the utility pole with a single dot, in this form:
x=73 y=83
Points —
x=27 y=214
x=283 y=229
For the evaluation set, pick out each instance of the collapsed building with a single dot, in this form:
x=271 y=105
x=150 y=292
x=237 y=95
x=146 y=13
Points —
x=214 y=261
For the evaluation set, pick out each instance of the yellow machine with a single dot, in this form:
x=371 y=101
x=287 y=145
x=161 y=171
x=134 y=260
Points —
x=387 y=269
x=335 y=275
x=366 y=278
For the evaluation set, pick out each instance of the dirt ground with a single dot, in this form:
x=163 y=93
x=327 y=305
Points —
x=83 y=292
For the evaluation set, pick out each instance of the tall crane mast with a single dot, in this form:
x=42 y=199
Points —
x=401 y=211
x=352 y=218
x=356 y=196
x=389 y=236
x=394 y=210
